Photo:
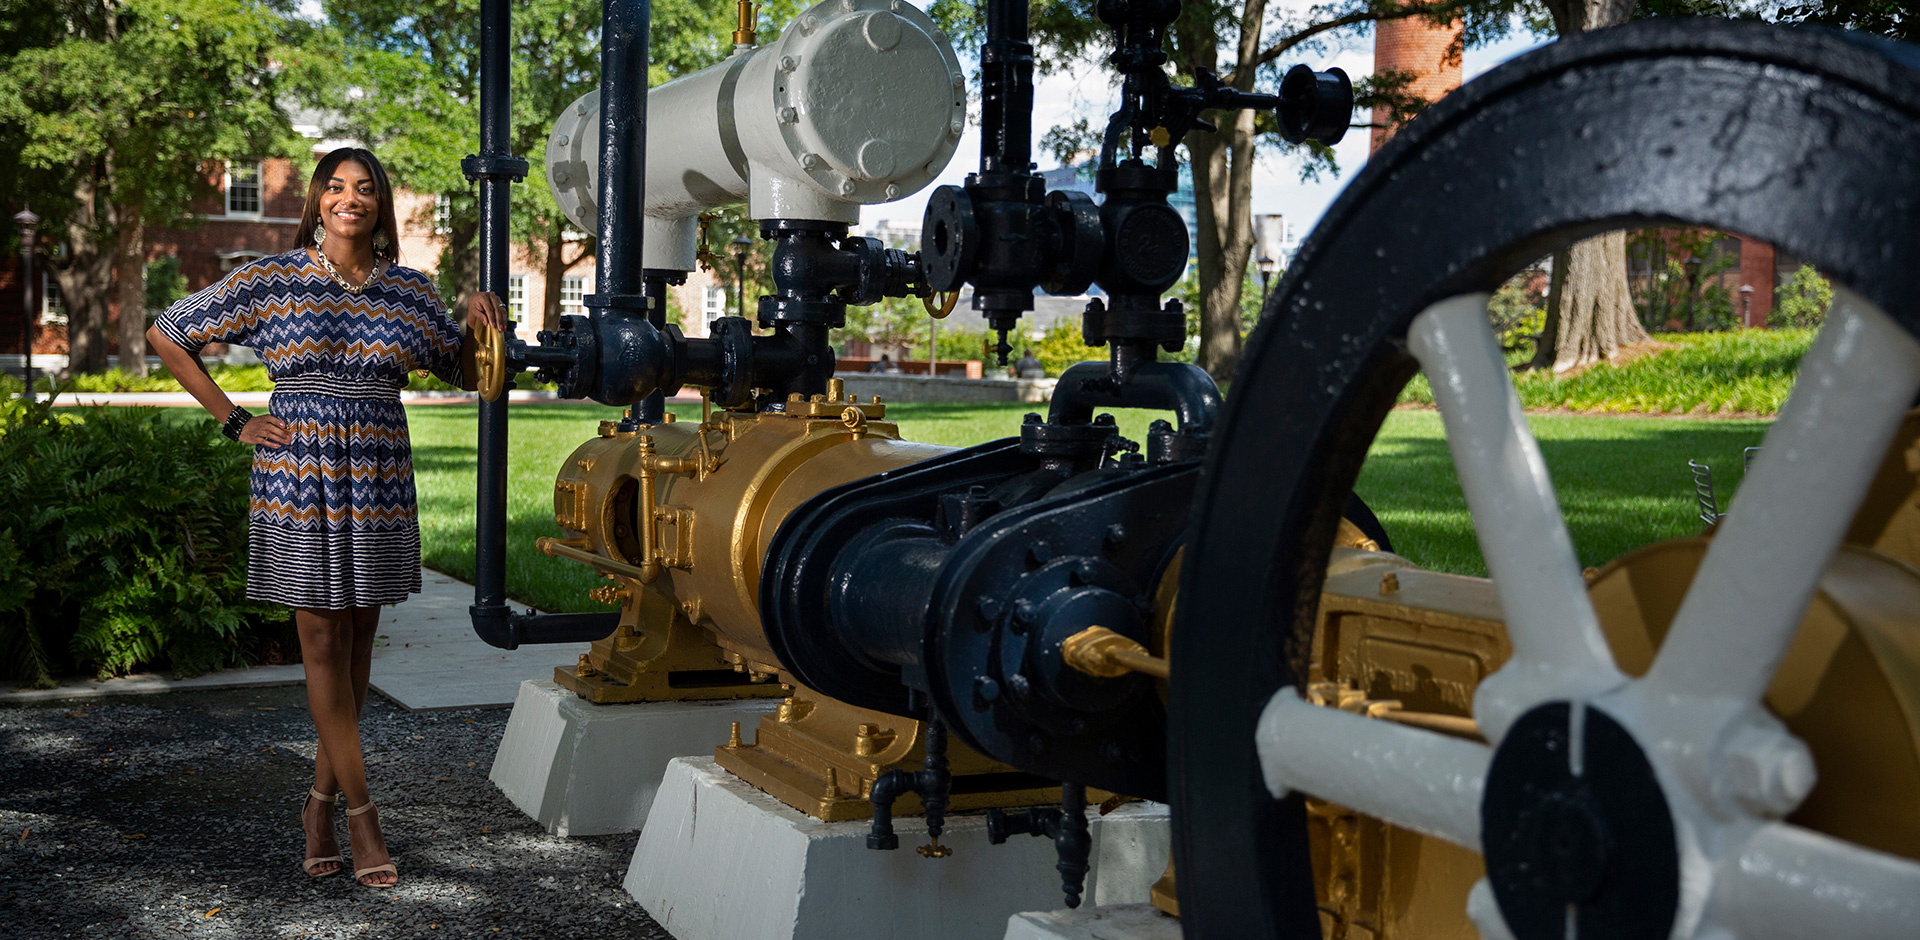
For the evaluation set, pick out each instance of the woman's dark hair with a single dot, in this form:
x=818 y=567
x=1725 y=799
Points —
x=310 y=216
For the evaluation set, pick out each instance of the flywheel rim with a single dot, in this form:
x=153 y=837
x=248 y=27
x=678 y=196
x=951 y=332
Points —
x=1319 y=376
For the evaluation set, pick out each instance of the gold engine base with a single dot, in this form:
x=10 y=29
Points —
x=821 y=757
x=658 y=655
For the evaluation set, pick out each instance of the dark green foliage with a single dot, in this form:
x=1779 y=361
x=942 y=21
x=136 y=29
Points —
x=122 y=543
x=165 y=282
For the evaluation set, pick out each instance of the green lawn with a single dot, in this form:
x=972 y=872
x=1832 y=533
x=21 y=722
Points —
x=1622 y=481
x=1739 y=371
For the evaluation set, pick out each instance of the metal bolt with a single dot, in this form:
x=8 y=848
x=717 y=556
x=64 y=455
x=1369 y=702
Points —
x=955 y=127
x=788 y=63
x=847 y=187
x=1767 y=772
x=1114 y=753
x=988 y=607
x=893 y=191
x=986 y=688
x=809 y=161
x=1105 y=420
x=1036 y=742
x=1389 y=583
x=788 y=115
x=1039 y=553
x=1116 y=534
x=1024 y=614
x=1033 y=417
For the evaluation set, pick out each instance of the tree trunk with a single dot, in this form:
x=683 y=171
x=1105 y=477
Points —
x=130 y=264
x=1589 y=309
x=85 y=277
x=1223 y=188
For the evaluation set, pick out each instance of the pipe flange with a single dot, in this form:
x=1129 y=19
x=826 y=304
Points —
x=734 y=336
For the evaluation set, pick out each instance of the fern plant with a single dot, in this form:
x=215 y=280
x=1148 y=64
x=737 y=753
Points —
x=122 y=544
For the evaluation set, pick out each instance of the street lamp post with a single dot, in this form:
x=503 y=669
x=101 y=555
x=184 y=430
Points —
x=26 y=221
x=1266 y=266
x=741 y=246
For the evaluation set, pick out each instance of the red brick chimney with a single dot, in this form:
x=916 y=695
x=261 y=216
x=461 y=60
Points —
x=1413 y=44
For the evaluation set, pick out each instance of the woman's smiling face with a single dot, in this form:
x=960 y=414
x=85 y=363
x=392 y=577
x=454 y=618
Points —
x=350 y=204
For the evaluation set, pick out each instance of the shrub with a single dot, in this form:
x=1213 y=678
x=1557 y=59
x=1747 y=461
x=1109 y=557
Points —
x=122 y=544
x=1802 y=301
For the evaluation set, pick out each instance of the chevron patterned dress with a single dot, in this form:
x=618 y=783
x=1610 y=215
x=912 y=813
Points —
x=332 y=522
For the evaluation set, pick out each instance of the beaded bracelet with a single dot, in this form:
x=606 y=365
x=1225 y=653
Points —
x=236 y=419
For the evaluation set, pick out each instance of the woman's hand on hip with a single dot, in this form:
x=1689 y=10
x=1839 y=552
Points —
x=485 y=307
x=267 y=431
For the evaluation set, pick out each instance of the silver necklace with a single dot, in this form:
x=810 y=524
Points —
x=334 y=273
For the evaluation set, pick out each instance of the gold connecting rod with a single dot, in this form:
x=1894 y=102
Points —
x=563 y=548
x=1100 y=652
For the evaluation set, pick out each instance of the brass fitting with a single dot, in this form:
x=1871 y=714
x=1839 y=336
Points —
x=1102 y=653
x=747 y=14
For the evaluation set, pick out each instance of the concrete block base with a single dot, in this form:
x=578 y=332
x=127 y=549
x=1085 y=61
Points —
x=583 y=769
x=721 y=860
x=1117 y=922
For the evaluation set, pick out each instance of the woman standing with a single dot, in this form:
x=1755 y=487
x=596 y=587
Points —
x=332 y=527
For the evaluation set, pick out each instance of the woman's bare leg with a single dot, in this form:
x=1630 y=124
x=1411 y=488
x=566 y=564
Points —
x=326 y=647
x=366 y=627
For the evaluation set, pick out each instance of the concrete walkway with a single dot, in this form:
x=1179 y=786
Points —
x=428 y=660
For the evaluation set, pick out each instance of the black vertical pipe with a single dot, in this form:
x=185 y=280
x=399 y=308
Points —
x=623 y=146
x=1006 y=90
x=495 y=167
x=635 y=357
x=490 y=573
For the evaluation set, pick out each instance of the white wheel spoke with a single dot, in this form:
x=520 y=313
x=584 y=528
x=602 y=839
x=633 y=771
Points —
x=1813 y=470
x=1529 y=554
x=1416 y=779
x=1792 y=884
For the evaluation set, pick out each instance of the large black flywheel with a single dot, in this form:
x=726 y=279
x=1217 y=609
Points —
x=1809 y=140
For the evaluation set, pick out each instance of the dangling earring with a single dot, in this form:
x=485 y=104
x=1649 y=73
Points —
x=319 y=235
x=380 y=241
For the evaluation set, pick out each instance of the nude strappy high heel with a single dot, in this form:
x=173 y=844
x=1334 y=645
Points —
x=308 y=865
x=360 y=873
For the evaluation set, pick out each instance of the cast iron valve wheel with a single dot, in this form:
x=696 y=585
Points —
x=1605 y=806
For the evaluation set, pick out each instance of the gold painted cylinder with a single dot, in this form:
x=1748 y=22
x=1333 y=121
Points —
x=716 y=507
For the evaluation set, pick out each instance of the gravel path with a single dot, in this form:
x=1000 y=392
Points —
x=177 y=815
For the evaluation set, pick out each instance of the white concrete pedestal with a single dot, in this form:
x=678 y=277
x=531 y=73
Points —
x=1117 y=922
x=721 y=860
x=582 y=769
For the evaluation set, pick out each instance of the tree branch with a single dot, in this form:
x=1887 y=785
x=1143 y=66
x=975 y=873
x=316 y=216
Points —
x=1434 y=10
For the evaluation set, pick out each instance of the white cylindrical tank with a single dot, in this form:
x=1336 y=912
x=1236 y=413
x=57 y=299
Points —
x=857 y=102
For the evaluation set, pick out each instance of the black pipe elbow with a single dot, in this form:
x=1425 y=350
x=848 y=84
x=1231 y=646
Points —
x=493 y=623
x=500 y=627
x=1186 y=390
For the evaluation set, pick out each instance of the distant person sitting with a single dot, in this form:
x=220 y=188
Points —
x=1029 y=367
x=883 y=364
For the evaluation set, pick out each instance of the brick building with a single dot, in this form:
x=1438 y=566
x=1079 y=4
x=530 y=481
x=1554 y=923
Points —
x=254 y=210
x=1430 y=53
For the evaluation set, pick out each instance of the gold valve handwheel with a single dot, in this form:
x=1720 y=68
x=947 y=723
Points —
x=489 y=359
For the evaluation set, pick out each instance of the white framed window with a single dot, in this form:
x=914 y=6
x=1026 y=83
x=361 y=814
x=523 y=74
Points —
x=713 y=301
x=517 y=296
x=243 y=188
x=571 y=289
x=53 y=305
x=238 y=257
x=442 y=214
